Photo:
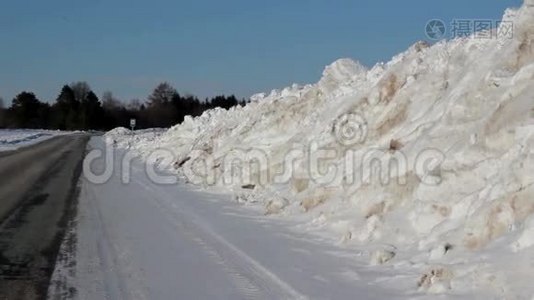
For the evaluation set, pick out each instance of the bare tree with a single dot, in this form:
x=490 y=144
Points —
x=109 y=102
x=81 y=89
x=162 y=94
x=135 y=104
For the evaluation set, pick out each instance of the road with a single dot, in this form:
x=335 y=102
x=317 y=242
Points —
x=38 y=191
x=141 y=240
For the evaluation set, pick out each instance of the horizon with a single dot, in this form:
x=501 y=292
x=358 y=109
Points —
x=202 y=48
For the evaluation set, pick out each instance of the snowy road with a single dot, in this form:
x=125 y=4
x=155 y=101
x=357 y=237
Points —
x=37 y=197
x=144 y=241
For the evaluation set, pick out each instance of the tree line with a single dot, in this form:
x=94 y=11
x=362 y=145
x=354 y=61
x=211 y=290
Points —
x=77 y=107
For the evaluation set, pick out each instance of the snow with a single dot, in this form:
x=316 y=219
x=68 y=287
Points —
x=128 y=137
x=13 y=139
x=146 y=241
x=455 y=216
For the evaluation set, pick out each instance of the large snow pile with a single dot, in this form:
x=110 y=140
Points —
x=452 y=127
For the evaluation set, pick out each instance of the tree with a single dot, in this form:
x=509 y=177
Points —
x=92 y=114
x=28 y=112
x=66 y=97
x=161 y=109
x=162 y=94
x=135 y=104
x=65 y=110
x=115 y=112
x=109 y=102
x=3 y=121
x=77 y=107
x=80 y=89
x=224 y=102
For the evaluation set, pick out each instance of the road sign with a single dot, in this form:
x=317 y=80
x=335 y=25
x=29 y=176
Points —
x=132 y=123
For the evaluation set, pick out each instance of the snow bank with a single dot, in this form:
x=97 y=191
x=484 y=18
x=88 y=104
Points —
x=125 y=138
x=12 y=139
x=455 y=118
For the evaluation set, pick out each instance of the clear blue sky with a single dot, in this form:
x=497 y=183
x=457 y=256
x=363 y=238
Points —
x=205 y=47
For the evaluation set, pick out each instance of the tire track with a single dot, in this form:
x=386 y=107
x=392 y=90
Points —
x=254 y=280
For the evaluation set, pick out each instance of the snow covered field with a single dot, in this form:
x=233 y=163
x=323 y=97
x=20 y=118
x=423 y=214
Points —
x=419 y=169
x=12 y=139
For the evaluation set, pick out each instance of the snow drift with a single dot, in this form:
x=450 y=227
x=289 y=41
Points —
x=430 y=157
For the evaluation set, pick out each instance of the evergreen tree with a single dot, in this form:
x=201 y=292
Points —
x=65 y=110
x=28 y=112
x=92 y=114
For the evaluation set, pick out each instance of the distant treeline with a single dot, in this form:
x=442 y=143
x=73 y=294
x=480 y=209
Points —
x=78 y=108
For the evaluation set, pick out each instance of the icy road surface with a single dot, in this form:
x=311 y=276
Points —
x=13 y=139
x=147 y=241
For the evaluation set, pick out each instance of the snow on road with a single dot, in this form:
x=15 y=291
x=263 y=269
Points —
x=12 y=139
x=146 y=241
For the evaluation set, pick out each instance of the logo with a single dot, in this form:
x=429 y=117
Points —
x=435 y=29
x=350 y=129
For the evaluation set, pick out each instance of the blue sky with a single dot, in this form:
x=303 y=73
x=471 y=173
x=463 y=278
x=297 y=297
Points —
x=205 y=47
